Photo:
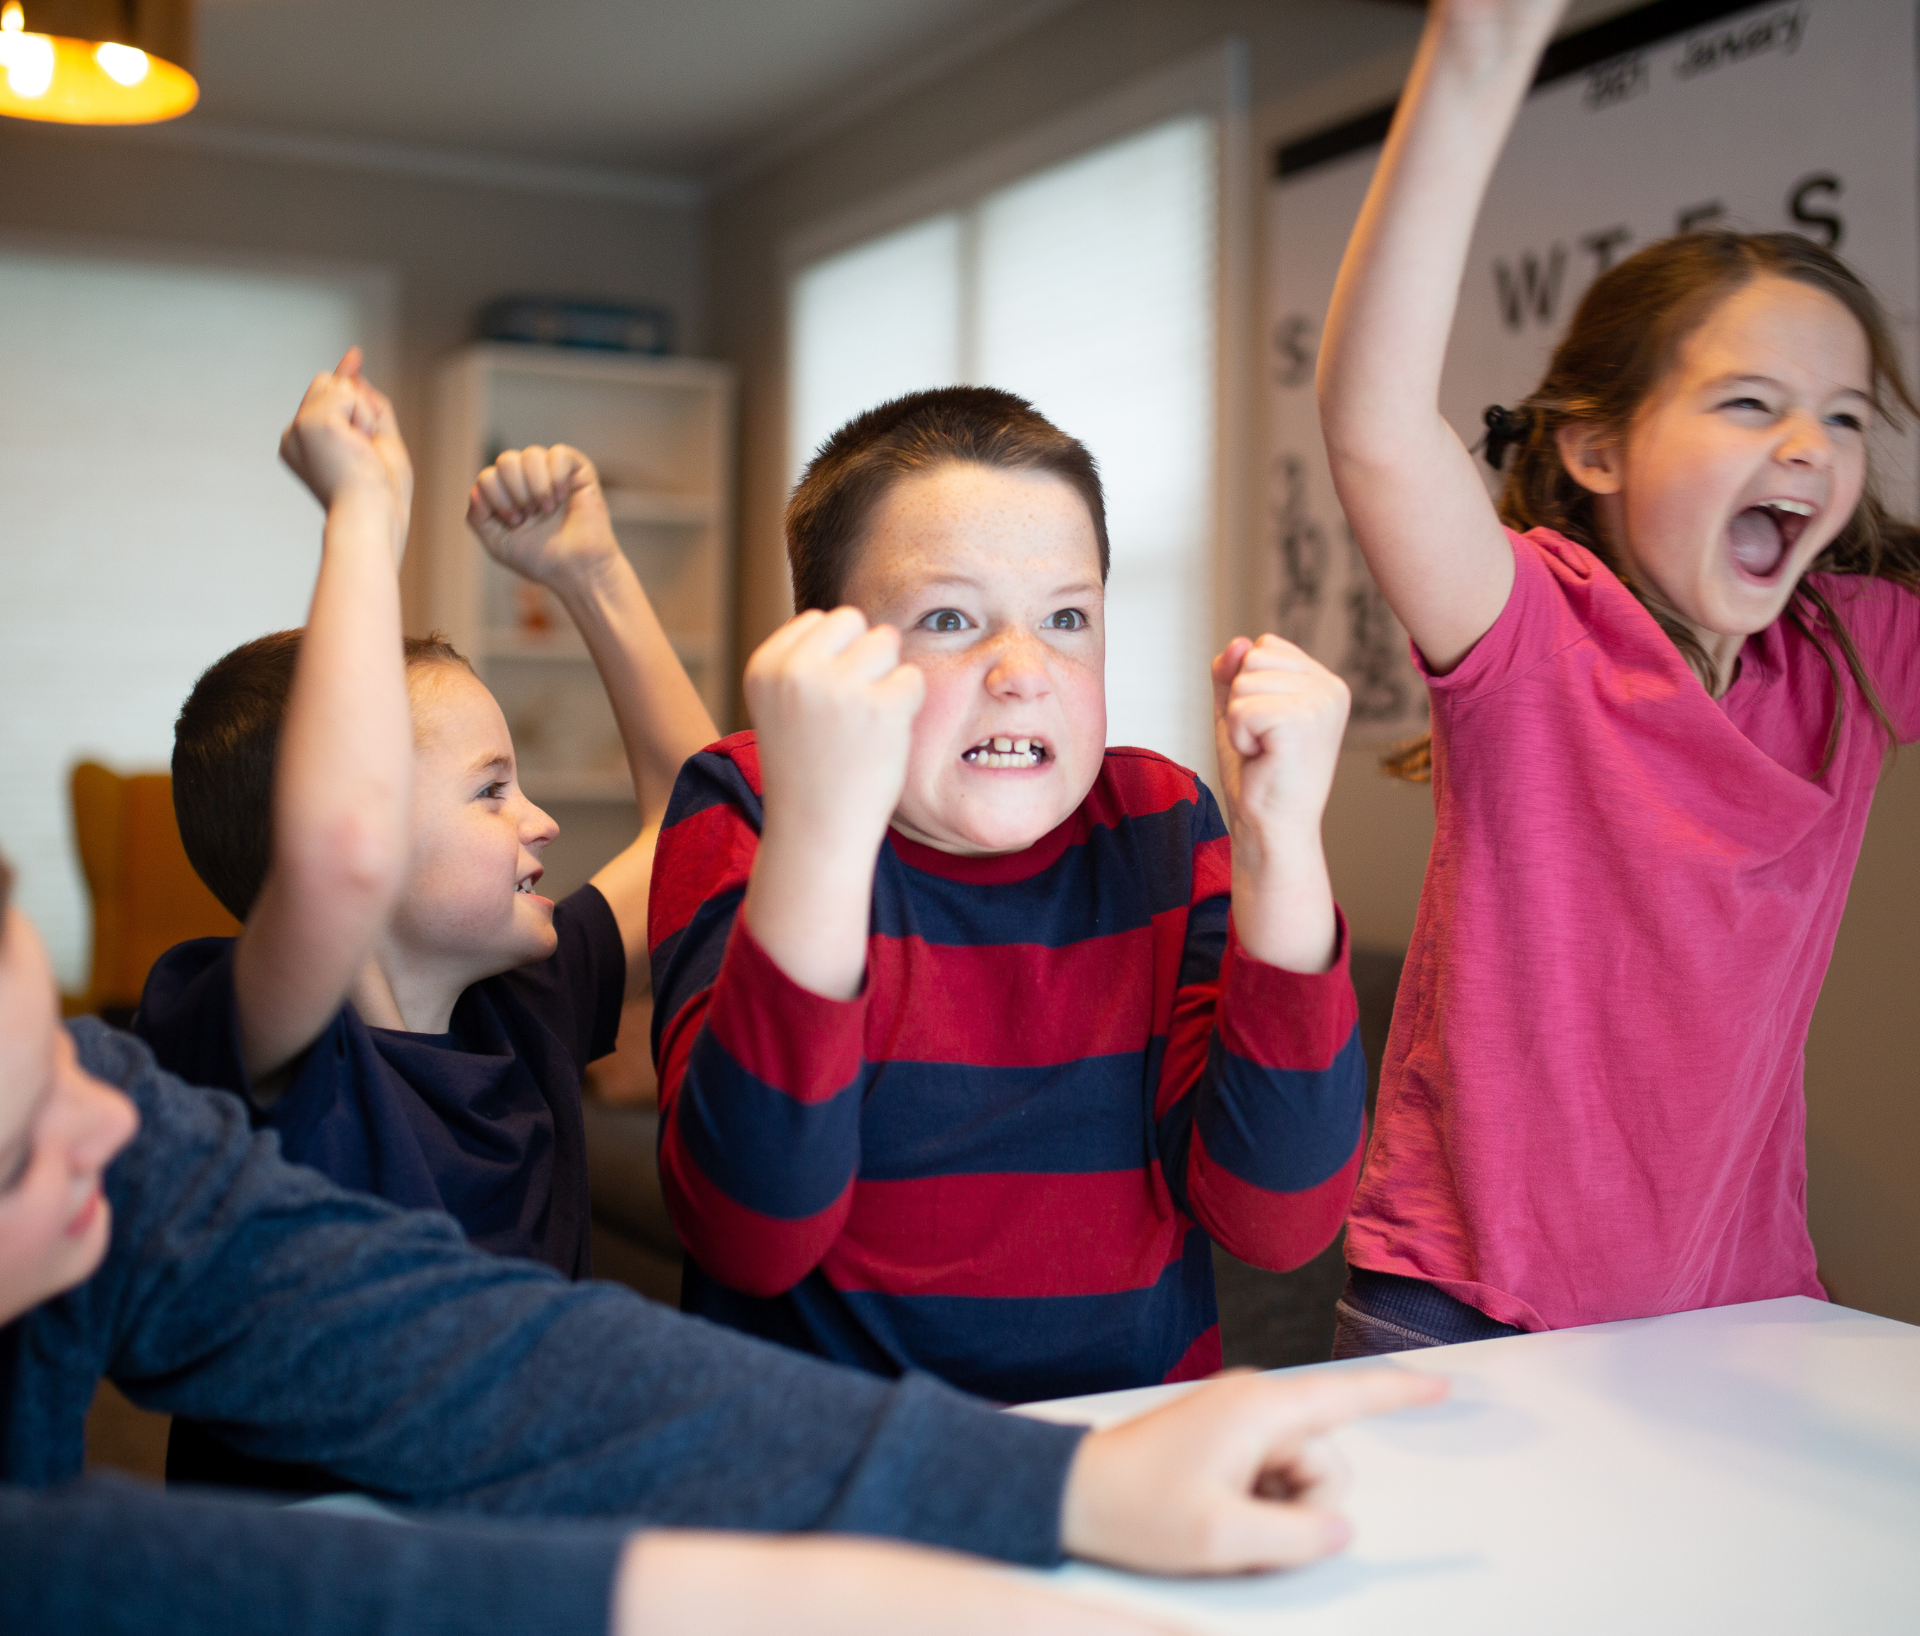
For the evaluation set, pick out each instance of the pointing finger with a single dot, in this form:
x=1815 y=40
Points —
x=1308 y=1408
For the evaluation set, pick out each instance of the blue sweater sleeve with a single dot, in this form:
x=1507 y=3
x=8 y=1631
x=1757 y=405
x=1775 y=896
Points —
x=107 y=1557
x=307 y=1324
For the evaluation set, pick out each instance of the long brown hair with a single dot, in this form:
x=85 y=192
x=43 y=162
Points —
x=1625 y=335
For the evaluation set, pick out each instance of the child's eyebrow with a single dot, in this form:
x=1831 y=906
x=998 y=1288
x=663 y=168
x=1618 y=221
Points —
x=966 y=582
x=1724 y=381
x=491 y=764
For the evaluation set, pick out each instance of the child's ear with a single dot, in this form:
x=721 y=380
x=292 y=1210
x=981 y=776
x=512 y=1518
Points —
x=1591 y=454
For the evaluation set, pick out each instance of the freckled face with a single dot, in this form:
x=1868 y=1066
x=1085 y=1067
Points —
x=1749 y=459
x=59 y=1129
x=469 y=907
x=993 y=579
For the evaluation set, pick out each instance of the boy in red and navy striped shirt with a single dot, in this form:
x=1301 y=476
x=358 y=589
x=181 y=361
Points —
x=970 y=1030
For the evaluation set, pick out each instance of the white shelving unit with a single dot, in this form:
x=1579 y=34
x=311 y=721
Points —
x=660 y=430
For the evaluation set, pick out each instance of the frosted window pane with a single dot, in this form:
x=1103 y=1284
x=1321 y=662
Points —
x=869 y=324
x=145 y=523
x=1096 y=300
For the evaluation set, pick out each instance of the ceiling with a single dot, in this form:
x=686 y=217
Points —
x=682 y=87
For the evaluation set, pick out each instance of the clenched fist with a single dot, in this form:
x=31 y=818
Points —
x=834 y=708
x=541 y=513
x=1278 y=718
x=344 y=436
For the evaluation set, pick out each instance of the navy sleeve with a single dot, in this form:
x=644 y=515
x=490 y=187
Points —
x=302 y=1323
x=107 y=1557
x=578 y=990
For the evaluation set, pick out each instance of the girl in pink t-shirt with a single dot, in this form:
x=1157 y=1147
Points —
x=1662 y=695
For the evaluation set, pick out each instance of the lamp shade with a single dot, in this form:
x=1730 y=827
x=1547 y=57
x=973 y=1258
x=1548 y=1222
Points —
x=96 y=62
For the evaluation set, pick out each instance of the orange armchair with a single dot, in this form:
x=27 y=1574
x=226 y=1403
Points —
x=146 y=896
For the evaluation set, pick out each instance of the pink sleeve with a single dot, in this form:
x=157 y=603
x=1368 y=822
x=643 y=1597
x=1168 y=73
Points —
x=1884 y=621
x=1554 y=585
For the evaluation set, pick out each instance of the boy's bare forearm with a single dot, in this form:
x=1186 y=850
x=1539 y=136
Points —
x=661 y=717
x=808 y=903
x=343 y=783
x=1283 y=910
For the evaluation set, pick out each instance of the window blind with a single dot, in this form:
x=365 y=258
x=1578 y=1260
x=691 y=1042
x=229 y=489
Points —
x=145 y=524
x=1087 y=287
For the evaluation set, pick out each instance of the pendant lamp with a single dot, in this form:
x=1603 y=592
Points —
x=96 y=62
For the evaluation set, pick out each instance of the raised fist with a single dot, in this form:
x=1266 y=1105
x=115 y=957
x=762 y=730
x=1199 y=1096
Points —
x=1278 y=719
x=834 y=710
x=541 y=513
x=344 y=435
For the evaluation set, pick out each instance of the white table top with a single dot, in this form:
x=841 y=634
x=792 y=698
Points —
x=1746 y=1469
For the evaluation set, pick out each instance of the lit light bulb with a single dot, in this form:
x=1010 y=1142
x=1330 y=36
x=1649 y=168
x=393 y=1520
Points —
x=125 y=63
x=77 y=80
x=28 y=59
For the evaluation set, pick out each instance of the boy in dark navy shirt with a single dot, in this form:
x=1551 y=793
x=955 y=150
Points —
x=401 y=1005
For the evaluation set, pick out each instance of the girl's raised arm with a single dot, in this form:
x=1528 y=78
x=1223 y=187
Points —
x=1417 y=506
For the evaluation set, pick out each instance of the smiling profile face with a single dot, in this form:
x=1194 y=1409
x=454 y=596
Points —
x=59 y=1129
x=993 y=579
x=1746 y=461
x=469 y=909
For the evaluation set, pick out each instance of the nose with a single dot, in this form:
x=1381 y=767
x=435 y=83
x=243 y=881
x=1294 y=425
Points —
x=1806 y=442
x=536 y=828
x=1019 y=666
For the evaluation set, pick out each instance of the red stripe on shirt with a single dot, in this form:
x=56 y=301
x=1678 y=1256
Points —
x=933 y=1002
x=1212 y=869
x=797 y=1041
x=712 y=853
x=1137 y=782
x=1200 y=1360
x=1277 y=1231
x=1286 y=1019
x=1008 y=1235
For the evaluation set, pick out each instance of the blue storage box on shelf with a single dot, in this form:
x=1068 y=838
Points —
x=554 y=321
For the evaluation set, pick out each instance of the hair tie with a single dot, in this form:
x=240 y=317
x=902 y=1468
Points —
x=1505 y=427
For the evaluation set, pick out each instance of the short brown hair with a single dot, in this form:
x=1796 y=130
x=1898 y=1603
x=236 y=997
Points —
x=224 y=746
x=834 y=501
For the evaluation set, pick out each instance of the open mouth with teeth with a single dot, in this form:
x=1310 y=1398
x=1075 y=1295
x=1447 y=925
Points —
x=1762 y=537
x=1007 y=752
x=526 y=886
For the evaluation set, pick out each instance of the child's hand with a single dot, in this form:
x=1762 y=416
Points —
x=834 y=709
x=344 y=436
x=541 y=513
x=1278 y=718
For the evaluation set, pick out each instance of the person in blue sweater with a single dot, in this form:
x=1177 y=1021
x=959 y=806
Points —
x=585 y=1460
